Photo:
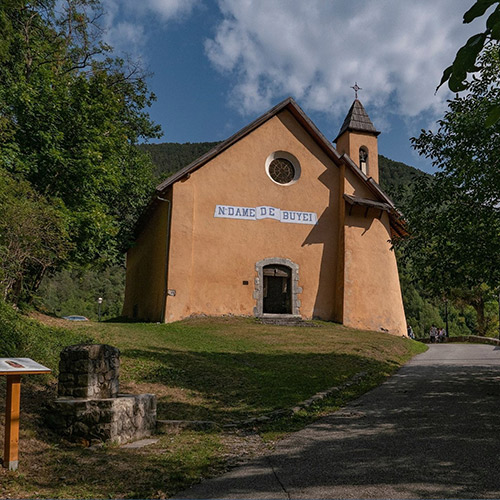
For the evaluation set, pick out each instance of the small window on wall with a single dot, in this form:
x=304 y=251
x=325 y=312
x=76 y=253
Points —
x=283 y=168
x=363 y=159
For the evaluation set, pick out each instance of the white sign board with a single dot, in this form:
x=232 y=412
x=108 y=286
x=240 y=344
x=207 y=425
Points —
x=12 y=366
x=265 y=212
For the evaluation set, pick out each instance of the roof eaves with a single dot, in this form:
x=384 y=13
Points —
x=290 y=104
x=326 y=145
x=367 y=202
x=397 y=220
x=375 y=133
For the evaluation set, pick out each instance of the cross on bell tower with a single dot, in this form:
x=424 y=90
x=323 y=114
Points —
x=356 y=88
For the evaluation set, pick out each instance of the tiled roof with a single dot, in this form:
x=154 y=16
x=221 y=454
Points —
x=357 y=119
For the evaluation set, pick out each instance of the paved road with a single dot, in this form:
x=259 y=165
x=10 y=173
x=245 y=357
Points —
x=431 y=431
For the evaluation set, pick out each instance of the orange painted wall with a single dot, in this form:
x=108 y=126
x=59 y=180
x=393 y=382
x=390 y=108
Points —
x=372 y=294
x=211 y=257
x=145 y=278
x=350 y=143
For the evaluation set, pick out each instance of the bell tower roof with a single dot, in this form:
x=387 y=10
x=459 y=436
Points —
x=357 y=120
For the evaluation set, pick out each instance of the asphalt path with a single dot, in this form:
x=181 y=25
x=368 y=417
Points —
x=431 y=431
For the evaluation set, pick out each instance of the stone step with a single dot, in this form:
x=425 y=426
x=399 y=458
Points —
x=285 y=320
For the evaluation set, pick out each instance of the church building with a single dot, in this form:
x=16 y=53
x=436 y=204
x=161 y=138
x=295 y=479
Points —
x=273 y=221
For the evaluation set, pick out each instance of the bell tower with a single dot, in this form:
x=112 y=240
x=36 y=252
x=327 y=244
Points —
x=358 y=138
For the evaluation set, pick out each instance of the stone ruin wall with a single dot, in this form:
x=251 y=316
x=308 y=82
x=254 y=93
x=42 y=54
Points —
x=89 y=408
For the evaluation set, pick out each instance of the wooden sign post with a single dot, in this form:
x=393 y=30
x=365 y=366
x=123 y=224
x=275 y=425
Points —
x=14 y=368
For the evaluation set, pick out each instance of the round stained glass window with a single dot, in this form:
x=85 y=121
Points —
x=282 y=171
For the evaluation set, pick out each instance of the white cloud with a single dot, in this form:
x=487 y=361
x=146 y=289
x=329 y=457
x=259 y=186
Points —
x=166 y=10
x=315 y=50
x=126 y=21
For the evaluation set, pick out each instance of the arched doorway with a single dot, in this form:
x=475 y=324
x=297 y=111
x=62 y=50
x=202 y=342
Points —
x=277 y=287
x=277 y=293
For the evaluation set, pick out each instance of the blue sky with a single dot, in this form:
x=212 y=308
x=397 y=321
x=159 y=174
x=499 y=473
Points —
x=218 y=64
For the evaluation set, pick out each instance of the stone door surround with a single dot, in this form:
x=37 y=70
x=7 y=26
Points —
x=258 y=293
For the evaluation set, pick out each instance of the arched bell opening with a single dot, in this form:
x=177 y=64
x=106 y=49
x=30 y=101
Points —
x=363 y=159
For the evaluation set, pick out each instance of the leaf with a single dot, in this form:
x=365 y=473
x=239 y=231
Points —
x=464 y=63
x=466 y=56
x=478 y=9
x=495 y=32
x=493 y=115
x=446 y=75
x=457 y=83
x=493 y=19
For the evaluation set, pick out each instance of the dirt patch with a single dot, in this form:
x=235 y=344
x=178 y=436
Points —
x=243 y=446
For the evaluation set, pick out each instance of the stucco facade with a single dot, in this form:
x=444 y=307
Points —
x=223 y=237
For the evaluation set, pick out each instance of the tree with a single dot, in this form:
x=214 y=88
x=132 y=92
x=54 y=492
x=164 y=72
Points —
x=467 y=60
x=454 y=217
x=33 y=238
x=70 y=120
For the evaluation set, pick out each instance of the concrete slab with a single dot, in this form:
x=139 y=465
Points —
x=140 y=444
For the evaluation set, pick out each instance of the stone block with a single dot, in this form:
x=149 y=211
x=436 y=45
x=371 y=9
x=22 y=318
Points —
x=89 y=370
x=121 y=419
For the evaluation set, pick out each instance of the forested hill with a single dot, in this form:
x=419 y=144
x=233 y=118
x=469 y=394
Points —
x=169 y=157
x=397 y=177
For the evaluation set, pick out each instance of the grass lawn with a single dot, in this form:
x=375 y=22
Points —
x=225 y=370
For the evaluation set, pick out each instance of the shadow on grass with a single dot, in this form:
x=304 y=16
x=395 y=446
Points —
x=234 y=386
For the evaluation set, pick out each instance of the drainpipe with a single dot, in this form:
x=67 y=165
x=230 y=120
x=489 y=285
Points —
x=167 y=245
x=340 y=273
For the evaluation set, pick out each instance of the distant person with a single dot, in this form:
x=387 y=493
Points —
x=433 y=334
x=410 y=332
x=441 y=335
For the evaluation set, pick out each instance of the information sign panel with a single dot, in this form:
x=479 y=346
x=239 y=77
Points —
x=11 y=366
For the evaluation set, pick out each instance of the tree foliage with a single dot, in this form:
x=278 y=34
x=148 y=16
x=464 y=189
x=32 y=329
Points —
x=454 y=217
x=70 y=120
x=24 y=337
x=75 y=291
x=33 y=238
x=468 y=58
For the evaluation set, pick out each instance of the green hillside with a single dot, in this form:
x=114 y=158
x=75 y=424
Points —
x=396 y=178
x=169 y=157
